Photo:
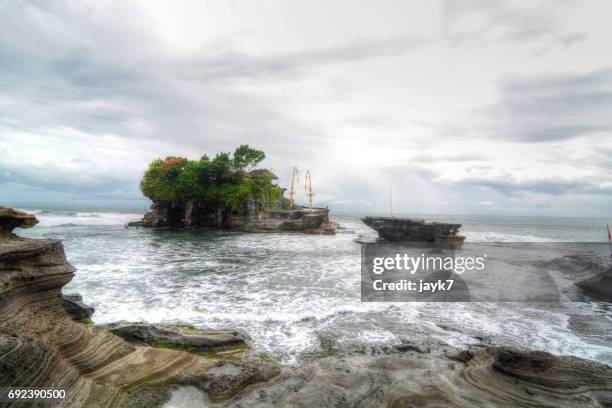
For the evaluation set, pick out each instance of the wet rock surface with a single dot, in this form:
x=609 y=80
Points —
x=76 y=309
x=439 y=377
x=177 y=336
x=413 y=230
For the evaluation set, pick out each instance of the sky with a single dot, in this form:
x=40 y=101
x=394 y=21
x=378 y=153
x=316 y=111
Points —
x=457 y=107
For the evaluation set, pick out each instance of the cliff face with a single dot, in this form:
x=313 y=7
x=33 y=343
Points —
x=42 y=347
x=192 y=214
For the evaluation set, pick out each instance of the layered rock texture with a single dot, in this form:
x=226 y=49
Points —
x=192 y=214
x=416 y=231
x=42 y=347
x=429 y=374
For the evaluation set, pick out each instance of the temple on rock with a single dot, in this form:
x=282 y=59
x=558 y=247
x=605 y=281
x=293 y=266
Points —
x=226 y=192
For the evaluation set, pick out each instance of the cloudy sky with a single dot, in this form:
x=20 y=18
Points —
x=463 y=106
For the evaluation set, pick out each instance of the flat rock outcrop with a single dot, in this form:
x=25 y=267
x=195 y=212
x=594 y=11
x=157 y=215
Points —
x=178 y=336
x=436 y=376
x=305 y=220
x=416 y=231
x=41 y=346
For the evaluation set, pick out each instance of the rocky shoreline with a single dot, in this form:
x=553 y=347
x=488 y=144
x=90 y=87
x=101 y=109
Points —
x=133 y=364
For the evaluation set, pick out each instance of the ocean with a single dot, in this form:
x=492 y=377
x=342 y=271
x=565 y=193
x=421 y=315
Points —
x=297 y=294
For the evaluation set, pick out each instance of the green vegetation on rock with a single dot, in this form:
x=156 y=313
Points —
x=175 y=346
x=225 y=181
x=268 y=357
x=328 y=352
x=204 y=351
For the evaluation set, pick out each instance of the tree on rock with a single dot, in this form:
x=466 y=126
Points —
x=245 y=157
x=222 y=182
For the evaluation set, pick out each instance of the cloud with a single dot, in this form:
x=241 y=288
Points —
x=448 y=157
x=90 y=92
x=101 y=79
x=567 y=40
x=84 y=79
x=551 y=186
x=508 y=183
x=552 y=107
x=235 y=65
x=67 y=161
x=507 y=21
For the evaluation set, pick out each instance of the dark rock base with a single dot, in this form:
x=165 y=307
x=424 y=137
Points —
x=416 y=231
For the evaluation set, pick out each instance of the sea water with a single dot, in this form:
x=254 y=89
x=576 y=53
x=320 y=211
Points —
x=295 y=294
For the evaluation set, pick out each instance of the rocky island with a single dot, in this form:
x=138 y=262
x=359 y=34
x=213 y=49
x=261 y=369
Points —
x=412 y=230
x=134 y=364
x=226 y=192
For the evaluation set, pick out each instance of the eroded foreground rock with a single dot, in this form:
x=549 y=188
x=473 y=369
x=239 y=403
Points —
x=413 y=375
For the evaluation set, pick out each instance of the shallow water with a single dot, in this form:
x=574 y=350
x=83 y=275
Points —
x=291 y=292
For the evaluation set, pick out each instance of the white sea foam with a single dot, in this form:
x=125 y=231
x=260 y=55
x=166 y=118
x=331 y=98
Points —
x=490 y=236
x=288 y=292
x=55 y=218
x=188 y=397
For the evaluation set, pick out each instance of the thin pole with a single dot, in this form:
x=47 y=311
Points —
x=609 y=239
x=391 y=200
x=308 y=188
x=292 y=191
